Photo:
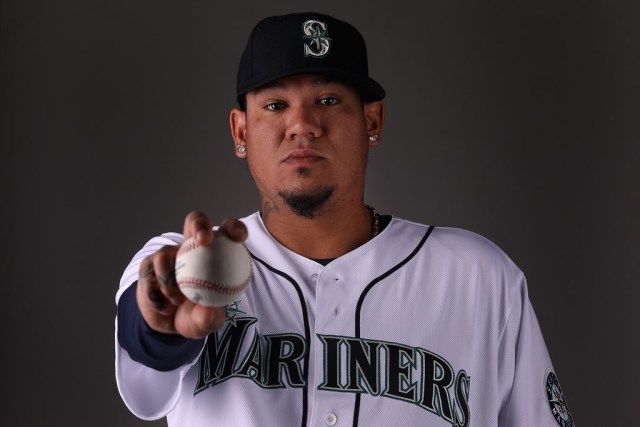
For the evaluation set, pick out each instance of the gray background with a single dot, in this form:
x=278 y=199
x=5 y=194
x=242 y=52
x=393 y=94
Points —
x=517 y=120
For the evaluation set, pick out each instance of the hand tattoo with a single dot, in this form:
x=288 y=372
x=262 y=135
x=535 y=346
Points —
x=170 y=281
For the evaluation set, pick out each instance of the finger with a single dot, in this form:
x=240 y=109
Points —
x=164 y=266
x=151 y=300
x=148 y=285
x=197 y=321
x=234 y=229
x=198 y=226
x=156 y=298
x=208 y=319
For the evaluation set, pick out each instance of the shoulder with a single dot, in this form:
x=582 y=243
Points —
x=455 y=239
x=468 y=244
x=457 y=246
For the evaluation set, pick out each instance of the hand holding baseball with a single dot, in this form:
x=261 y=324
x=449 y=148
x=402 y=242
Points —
x=163 y=306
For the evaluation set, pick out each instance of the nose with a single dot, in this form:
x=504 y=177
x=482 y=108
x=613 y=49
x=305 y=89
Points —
x=303 y=122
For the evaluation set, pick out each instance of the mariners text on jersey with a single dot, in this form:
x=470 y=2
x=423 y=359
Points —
x=351 y=365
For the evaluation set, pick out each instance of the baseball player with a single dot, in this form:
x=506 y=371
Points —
x=352 y=318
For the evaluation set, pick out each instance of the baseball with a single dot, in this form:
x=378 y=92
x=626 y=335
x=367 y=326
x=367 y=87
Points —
x=213 y=275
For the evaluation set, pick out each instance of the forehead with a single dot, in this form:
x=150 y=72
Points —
x=304 y=80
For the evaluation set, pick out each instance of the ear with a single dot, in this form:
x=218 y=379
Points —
x=238 y=123
x=374 y=117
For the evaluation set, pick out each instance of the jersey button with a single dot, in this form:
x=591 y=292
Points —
x=331 y=419
x=313 y=277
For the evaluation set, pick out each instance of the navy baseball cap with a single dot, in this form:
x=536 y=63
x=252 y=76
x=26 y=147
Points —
x=305 y=43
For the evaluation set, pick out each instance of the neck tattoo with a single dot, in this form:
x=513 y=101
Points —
x=375 y=221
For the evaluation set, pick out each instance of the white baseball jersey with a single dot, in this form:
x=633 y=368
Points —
x=420 y=326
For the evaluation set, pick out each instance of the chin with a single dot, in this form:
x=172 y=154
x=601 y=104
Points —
x=307 y=203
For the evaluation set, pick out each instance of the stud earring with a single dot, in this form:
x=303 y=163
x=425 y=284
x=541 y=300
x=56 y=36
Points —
x=373 y=138
x=241 y=148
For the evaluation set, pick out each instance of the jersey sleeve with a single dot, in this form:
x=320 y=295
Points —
x=163 y=352
x=148 y=393
x=524 y=367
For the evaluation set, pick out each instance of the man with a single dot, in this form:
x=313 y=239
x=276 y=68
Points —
x=351 y=317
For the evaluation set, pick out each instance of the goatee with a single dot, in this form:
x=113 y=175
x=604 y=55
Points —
x=307 y=204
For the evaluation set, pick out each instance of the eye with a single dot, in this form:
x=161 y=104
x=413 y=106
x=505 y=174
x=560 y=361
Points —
x=275 y=106
x=329 y=100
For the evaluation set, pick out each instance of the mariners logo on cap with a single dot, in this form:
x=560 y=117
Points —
x=319 y=45
x=557 y=403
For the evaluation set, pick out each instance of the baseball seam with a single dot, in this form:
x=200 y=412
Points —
x=187 y=248
x=194 y=282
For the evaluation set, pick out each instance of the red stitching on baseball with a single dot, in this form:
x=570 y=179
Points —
x=187 y=248
x=193 y=282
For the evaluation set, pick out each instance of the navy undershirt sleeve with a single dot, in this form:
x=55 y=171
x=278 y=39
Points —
x=162 y=352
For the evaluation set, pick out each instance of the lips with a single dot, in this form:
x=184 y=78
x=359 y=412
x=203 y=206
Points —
x=302 y=157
